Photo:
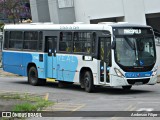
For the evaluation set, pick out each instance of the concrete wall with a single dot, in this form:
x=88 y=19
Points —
x=34 y=12
x=67 y=15
x=58 y=15
x=96 y=9
x=152 y=6
x=43 y=11
x=40 y=11
x=134 y=11
x=53 y=11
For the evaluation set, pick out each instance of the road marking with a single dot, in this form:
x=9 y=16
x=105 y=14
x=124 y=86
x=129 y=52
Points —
x=46 y=96
x=78 y=107
x=114 y=118
x=65 y=107
x=130 y=107
x=148 y=102
x=145 y=109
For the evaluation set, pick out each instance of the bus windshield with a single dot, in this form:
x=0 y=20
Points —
x=135 y=51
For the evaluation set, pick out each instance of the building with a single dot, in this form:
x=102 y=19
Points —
x=94 y=11
x=57 y=11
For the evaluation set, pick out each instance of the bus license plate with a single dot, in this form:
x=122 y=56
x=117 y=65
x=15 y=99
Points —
x=138 y=83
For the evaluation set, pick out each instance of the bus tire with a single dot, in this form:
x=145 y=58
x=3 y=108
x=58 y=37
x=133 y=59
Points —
x=33 y=76
x=127 y=87
x=88 y=81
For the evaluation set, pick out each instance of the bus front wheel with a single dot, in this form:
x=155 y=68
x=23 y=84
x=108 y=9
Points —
x=88 y=81
x=33 y=76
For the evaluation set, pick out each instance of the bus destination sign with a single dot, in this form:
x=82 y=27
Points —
x=132 y=31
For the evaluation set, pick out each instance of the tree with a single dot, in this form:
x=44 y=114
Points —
x=14 y=10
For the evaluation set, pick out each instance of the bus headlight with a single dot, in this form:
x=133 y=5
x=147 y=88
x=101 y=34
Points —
x=155 y=71
x=118 y=72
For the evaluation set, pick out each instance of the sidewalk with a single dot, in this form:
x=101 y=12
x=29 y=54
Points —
x=6 y=74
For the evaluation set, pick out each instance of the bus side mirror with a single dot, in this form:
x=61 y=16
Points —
x=113 y=46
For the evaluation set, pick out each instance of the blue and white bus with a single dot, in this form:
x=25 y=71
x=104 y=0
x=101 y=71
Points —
x=89 y=54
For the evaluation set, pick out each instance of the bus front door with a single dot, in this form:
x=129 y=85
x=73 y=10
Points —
x=105 y=58
x=51 y=45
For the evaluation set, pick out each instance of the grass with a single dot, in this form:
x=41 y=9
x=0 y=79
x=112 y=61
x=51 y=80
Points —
x=24 y=107
x=29 y=102
x=28 y=106
x=10 y=96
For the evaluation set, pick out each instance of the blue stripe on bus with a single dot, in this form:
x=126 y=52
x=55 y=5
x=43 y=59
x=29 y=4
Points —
x=66 y=67
x=16 y=62
x=138 y=74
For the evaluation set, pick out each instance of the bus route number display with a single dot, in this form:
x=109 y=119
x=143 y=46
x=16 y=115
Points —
x=132 y=31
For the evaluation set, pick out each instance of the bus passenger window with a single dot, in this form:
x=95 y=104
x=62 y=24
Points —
x=62 y=46
x=30 y=40
x=65 y=42
x=82 y=42
x=6 y=37
x=16 y=40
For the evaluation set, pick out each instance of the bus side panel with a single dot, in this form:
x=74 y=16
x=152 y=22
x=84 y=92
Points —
x=27 y=58
x=17 y=63
x=71 y=65
x=12 y=62
x=92 y=65
x=39 y=64
x=66 y=67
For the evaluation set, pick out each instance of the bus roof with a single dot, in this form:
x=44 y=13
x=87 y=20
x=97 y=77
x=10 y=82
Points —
x=43 y=26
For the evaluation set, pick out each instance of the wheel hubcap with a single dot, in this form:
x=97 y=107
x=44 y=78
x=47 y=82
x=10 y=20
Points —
x=33 y=76
x=87 y=82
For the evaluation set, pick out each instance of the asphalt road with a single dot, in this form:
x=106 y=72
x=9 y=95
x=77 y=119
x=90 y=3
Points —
x=73 y=98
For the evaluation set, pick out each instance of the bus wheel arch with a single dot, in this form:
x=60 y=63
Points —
x=32 y=74
x=86 y=79
x=29 y=66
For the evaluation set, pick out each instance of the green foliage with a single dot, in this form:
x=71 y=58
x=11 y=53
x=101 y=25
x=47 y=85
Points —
x=24 y=107
x=11 y=96
x=29 y=102
x=1 y=26
x=13 y=10
x=28 y=106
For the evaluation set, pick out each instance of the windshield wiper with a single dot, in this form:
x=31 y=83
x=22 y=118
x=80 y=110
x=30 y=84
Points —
x=129 y=43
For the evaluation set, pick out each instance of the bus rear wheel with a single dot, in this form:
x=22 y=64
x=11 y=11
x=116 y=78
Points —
x=33 y=76
x=127 y=87
x=88 y=81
